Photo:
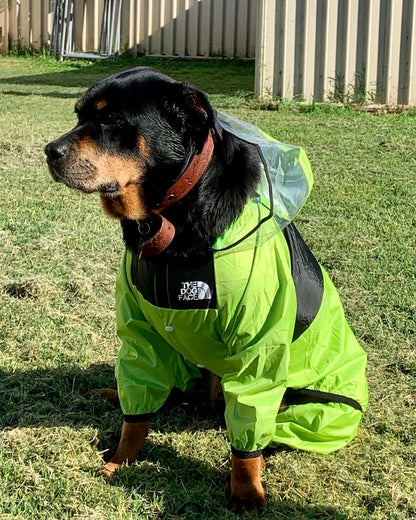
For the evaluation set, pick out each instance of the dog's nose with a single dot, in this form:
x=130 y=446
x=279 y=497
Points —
x=56 y=150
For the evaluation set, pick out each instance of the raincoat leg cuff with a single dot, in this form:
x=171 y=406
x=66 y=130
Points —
x=143 y=417
x=245 y=454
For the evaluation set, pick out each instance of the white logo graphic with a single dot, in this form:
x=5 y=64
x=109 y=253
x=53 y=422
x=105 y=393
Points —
x=194 y=291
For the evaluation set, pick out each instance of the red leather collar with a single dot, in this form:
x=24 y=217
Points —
x=190 y=176
x=160 y=240
x=164 y=236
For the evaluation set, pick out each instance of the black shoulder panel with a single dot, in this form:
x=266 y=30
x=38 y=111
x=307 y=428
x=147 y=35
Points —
x=174 y=285
x=308 y=280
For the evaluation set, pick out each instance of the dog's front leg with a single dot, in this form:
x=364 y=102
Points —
x=130 y=445
x=247 y=492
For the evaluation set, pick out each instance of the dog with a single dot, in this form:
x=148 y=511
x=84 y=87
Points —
x=196 y=288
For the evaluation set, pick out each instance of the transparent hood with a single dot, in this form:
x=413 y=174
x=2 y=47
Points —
x=286 y=182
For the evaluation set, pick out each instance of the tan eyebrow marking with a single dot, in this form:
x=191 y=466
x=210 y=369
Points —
x=101 y=103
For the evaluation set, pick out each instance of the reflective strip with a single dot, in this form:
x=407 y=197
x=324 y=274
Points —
x=308 y=280
x=294 y=396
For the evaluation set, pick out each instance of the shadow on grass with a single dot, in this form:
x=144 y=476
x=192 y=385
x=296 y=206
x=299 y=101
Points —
x=59 y=95
x=193 y=489
x=79 y=79
x=61 y=397
x=74 y=77
x=190 y=487
x=215 y=77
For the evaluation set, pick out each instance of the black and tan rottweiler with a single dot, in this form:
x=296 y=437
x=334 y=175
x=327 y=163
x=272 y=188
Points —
x=261 y=316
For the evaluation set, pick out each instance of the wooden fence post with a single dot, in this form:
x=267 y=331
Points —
x=265 y=48
x=4 y=26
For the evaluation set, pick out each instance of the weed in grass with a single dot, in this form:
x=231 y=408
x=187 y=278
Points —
x=59 y=257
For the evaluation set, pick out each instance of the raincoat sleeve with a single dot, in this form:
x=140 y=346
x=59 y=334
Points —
x=253 y=394
x=257 y=330
x=147 y=367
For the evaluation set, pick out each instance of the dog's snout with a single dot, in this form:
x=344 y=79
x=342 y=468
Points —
x=56 y=150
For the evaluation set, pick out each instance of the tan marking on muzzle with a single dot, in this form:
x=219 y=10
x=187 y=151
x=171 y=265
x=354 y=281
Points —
x=108 y=167
x=129 y=204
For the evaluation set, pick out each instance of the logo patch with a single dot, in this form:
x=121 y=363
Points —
x=172 y=286
x=194 y=291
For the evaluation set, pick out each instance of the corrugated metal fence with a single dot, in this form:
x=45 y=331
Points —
x=305 y=48
x=193 y=27
x=338 y=48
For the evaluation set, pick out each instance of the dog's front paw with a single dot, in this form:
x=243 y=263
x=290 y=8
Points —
x=250 y=500
x=109 y=469
x=247 y=492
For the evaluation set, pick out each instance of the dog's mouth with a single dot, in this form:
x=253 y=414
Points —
x=109 y=189
x=85 y=184
x=81 y=165
x=57 y=173
x=82 y=175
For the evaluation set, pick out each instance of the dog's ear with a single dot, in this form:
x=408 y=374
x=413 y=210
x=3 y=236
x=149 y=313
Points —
x=188 y=108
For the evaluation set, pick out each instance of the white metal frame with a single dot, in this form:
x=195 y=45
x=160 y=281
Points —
x=62 y=42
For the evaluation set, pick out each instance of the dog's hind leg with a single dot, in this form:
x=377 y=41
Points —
x=215 y=388
x=216 y=394
x=130 y=445
x=108 y=394
x=247 y=492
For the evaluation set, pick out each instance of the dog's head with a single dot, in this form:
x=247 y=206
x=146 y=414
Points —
x=136 y=132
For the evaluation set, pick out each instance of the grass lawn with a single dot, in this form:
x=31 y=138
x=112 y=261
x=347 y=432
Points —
x=59 y=256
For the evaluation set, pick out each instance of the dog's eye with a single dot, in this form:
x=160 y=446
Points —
x=110 y=119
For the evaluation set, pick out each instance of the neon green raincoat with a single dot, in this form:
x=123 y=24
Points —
x=262 y=315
